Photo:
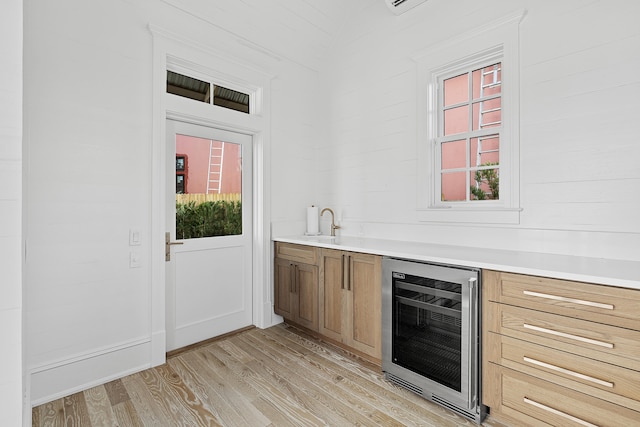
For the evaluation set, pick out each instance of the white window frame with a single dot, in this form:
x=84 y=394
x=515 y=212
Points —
x=494 y=42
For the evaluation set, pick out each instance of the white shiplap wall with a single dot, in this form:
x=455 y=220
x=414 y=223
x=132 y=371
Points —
x=580 y=99
x=11 y=356
x=343 y=137
x=88 y=135
x=88 y=125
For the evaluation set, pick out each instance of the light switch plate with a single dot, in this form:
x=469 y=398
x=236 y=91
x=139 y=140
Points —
x=135 y=260
x=135 y=238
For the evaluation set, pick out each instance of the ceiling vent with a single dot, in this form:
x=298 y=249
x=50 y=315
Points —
x=401 y=6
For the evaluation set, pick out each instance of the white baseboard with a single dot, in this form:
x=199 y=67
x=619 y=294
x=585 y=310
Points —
x=61 y=379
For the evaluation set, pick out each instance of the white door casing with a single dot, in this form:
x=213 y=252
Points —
x=168 y=49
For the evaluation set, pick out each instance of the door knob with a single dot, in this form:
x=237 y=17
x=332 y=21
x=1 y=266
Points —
x=167 y=245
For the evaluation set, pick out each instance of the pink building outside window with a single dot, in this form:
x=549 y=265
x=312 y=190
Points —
x=471 y=119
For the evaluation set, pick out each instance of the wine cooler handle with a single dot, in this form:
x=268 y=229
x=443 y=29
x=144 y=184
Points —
x=471 y=313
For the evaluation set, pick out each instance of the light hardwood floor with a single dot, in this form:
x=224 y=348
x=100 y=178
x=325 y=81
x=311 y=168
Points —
x=273 y=377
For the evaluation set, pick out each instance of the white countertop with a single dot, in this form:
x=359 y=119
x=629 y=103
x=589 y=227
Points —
x=593 y=270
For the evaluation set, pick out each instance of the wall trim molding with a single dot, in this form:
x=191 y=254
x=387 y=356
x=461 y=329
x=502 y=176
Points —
x=513 y=18
x=65 y=377
x=87 y=355
x=159 y=32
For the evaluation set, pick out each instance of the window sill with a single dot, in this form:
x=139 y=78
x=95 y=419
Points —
x=471 y=215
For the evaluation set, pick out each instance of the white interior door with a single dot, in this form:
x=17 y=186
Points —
x=209 y=226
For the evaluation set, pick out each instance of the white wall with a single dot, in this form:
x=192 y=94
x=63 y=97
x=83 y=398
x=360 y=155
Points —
x=580 y=99
x=88 y=133
x=11 y=356
x=344 y=137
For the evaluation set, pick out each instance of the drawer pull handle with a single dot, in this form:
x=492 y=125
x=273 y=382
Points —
x=568 y=372
x=560 y=413
x=572 y=300
x=573 y=337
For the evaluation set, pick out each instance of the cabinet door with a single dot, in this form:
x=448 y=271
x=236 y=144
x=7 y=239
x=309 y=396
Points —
x=283 y=288
x=364 y=320
x=332 y=290
x=306 y=295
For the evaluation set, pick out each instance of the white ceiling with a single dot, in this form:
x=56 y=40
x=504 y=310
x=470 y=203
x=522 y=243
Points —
x=299 y=30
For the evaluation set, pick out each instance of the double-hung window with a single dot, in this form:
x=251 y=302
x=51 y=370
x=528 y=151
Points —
x=468 y=133
x=468 y=141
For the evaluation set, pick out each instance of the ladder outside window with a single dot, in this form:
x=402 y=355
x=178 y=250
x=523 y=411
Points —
x=489 y=79
x=216 y=157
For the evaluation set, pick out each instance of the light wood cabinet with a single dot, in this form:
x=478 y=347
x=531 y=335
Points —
x=296 y=284
x=530 y=401
x=557 y=352
x=603 y=304
x=350 y=295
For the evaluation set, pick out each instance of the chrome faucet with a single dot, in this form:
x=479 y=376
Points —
x=334 y=227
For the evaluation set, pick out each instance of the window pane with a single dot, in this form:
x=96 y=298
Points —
x=456 y=90
x=231 y=99
x=471 y=105
x=456 y=120
x=487 y=81
x=180 y=163
x=208 y=188
x=454 y=154
x=453 y=187
x=179 y=183
x=485 y=151
x=188 y=87
x=487 y=114
x=485 y=184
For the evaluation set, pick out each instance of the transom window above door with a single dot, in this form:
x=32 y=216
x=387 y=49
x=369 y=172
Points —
x=207 y=92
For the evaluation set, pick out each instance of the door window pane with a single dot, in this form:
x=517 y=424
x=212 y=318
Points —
x=208 y=188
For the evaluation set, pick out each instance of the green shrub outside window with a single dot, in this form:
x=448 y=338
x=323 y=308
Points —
x=208 y=219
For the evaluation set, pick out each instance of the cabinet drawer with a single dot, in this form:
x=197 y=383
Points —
x=603 y=380
x=607 y=343
x=604 y=304
x=558 y=406
x=300 y=253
